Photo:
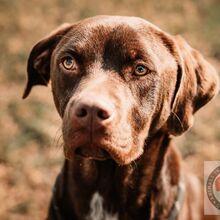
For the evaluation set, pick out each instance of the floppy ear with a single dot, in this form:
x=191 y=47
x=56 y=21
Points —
x=38 y=66
x=197 y=84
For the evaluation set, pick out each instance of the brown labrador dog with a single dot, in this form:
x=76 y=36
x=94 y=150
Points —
x=123 y=89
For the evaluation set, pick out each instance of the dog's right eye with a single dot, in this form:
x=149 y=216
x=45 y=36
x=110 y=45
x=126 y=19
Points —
x=68 y=62
x=140 y=70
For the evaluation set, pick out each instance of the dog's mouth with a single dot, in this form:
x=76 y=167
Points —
x=103 y=147
x=92 y=153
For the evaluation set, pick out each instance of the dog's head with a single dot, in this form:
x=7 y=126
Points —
x=117 y=81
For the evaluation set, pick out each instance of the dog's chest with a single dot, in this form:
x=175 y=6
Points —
x=97 y=211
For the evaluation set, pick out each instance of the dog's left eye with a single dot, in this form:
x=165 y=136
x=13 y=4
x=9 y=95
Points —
x=140 y=70
x=68 y=62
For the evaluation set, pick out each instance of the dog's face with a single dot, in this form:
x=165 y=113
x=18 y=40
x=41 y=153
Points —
x=117 y=81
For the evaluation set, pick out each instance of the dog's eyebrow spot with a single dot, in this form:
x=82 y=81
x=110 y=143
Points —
x=117 y=52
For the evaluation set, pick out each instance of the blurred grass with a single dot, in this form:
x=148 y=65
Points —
x=30 y=151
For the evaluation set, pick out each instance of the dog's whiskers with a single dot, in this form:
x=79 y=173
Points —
x=178 y=119
x=57 y=140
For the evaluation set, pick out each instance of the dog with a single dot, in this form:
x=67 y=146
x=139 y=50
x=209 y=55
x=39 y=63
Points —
x=123 y=88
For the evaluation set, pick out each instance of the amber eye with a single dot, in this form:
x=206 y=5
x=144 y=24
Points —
x=68 y=62
x=140 y=70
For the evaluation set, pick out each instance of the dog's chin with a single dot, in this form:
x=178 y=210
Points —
x=121 y=156
x=91 y=153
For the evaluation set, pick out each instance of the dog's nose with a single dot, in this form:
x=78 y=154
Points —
x=92 y=111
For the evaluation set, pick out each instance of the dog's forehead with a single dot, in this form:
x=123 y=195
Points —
x=111 y=21
x=116 y=38
x=101 y=28
x=116 y=31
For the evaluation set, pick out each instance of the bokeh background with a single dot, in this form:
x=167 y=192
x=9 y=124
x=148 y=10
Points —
x=30 y=130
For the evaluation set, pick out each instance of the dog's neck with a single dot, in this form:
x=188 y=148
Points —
x=146 y=188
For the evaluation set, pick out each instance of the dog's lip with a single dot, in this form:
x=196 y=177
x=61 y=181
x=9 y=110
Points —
x=92 y=153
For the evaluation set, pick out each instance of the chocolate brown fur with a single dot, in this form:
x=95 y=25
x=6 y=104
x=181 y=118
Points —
x=140 y=170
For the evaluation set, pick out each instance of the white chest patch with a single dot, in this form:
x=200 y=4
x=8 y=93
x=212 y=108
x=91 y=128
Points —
x=97 y=211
